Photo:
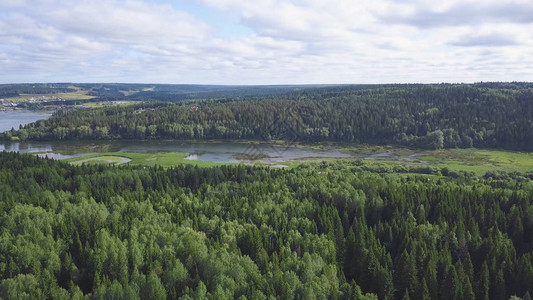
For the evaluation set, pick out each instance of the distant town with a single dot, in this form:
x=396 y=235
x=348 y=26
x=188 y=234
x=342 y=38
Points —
x=7 y=105
x=11 y=104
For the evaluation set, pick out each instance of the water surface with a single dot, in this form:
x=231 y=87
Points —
x=15 y=118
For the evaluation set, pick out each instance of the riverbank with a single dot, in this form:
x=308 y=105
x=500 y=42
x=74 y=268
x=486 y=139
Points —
x=461 y=161
x=168 y=153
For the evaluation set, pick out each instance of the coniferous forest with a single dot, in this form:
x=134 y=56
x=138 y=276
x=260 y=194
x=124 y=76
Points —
x=336 y=229
x=420 y=116
x=329 y=230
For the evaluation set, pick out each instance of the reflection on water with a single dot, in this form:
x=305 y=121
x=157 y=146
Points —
x=220 y=152
x=25 y=147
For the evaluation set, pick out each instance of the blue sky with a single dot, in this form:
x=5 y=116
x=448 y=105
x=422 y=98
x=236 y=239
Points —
x=265 y=42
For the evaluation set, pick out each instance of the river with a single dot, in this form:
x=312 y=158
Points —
x=219 y=152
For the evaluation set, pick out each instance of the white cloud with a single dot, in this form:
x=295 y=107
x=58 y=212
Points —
x=292 y=41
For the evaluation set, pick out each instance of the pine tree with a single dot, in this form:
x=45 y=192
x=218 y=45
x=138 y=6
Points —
x=424 y=290
x=451 y=286
x=483 y=284
x=405 y=273
x=499 y=285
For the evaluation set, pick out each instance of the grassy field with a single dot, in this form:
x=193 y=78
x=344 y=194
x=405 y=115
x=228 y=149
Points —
x=470 y=160
x=164 y=159
x=75 y=96
x=480 y=161
x=79 y=95
x=107 y=103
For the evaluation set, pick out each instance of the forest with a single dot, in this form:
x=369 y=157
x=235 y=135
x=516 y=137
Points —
x=419 y=116
x=325 y=230
x=336 y=229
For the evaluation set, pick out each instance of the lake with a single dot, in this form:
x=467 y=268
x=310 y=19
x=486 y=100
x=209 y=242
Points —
x=13 y=119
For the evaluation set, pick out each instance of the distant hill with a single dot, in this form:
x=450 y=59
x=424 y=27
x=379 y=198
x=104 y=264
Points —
x=149 y=92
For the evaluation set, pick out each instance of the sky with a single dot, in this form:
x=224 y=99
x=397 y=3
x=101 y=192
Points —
x=266 y=41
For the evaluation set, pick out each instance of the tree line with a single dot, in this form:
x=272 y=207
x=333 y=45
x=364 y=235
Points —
x=421 y=116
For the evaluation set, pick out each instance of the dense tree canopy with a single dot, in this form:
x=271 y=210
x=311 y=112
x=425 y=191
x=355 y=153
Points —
x=422 y=116
x=341 y=230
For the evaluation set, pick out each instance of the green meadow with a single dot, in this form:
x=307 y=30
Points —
x=480 y=161
x=164 y=159
x=107 y=103
x=79 y=95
